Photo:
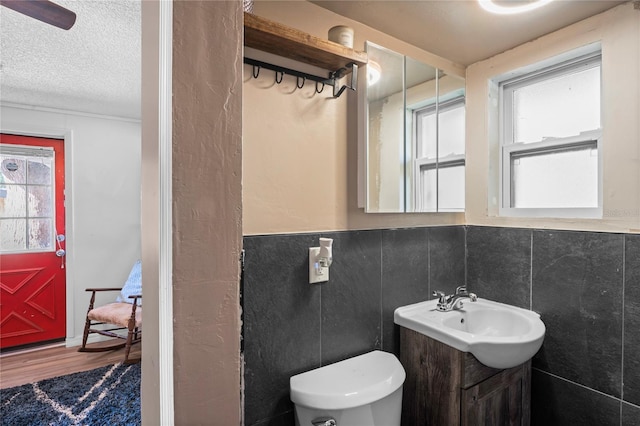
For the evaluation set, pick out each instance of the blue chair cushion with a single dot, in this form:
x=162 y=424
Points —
x=133 y=285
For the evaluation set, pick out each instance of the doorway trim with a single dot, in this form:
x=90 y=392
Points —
x=165 y=265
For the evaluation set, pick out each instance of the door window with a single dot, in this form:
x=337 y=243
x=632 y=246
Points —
x=26 y=199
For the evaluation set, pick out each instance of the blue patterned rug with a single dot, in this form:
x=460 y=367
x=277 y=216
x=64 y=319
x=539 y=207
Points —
x=105 y=396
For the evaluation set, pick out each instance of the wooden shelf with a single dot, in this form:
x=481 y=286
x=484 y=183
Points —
x=268 y=36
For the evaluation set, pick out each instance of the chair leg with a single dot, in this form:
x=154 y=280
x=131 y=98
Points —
x=127 y=346
x=133 y=334
x=85 y=334
x=87 y=323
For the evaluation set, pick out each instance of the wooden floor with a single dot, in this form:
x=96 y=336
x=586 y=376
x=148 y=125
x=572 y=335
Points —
x=28 y=366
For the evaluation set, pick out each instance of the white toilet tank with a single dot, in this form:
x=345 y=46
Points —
x=362 y=391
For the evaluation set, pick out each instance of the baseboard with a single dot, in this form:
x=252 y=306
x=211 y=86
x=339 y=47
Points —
x=30 y=349
x=70 y=342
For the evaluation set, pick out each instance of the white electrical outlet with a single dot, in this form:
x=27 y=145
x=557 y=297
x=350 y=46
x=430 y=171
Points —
x=317 y=273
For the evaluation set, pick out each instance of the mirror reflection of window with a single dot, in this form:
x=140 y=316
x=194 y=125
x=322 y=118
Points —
x=439 y=162
x=415 y=142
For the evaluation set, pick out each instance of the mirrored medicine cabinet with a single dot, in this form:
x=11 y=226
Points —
x=414 y=135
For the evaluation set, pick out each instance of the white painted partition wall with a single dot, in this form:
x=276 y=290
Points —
x=102 y=197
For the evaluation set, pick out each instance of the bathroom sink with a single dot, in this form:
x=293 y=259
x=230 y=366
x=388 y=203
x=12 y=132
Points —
x=498 y=335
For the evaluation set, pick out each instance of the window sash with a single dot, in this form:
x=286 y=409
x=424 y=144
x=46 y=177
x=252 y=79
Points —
x=421 y=161
x=511 y=148
x=30 y=153
x=556 y=145
x=435 y=163
x=507 y=87
x=424 y=164
x=457 y=102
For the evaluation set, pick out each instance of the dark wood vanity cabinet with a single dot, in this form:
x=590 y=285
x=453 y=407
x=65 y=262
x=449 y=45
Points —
x=445 y=386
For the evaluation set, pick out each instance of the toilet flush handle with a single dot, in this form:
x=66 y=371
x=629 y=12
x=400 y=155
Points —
x=324 y=421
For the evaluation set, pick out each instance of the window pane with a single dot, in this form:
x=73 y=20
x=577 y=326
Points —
x=15 y=202
x=427 y=198
x=427 y=135
x=556 y=179
x=451 y=189
x=558 y=107
x=13 y=234
x=40 y=171
x=40 y=234
x=13 y=170
x=40 y=204
x=451 y=132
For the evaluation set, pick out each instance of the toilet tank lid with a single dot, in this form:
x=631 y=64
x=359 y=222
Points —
x=350 y=383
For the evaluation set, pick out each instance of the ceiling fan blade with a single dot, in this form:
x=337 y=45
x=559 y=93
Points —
x=43 y=10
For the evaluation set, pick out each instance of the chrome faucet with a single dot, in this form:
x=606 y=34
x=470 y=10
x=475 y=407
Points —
x=453 y=301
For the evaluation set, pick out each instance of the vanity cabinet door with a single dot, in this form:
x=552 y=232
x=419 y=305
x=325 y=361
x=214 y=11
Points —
x=445 y=386
x=502 y=399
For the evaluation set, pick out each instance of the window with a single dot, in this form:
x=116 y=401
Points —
x=439 y=163
x=26 y=199
x=551 y=140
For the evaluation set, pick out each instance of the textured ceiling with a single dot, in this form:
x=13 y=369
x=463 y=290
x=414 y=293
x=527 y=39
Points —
x=460 y=30
x=93 y=67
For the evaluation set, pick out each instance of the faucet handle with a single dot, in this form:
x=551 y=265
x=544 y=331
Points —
x=442 y=298
x=462 y=289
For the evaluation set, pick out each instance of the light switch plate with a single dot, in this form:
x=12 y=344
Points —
x=316 y=275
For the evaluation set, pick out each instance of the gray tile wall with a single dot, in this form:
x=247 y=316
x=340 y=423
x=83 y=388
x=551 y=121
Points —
x=291 y=326
x=585 y=285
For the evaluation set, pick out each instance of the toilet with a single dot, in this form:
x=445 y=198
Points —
x=363 y=390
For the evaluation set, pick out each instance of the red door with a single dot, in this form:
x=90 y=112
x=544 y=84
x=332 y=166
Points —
x=32 y=274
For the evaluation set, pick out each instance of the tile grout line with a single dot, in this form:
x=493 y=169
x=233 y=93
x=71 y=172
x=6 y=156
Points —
x=466 y=257
x=578 y=384
x=429 y=263
x=381 y=242
x=624 y=274
x=531 y=272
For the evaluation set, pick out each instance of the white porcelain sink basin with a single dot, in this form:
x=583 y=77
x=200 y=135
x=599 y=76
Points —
x=498 y=335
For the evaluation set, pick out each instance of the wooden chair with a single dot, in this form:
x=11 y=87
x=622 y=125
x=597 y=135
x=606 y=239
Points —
x=121 y=315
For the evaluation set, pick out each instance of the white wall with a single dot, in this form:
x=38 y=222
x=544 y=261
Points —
x=618 y=31
x=102 y=198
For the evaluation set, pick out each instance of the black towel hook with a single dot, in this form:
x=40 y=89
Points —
x=281 y=76
x=298 y=85
x=256 y=71
x=321 y=89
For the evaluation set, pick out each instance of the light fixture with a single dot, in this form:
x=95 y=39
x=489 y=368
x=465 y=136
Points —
x=374 y=73
x=520 y=7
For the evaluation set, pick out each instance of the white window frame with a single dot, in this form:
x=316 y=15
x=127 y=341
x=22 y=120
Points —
x=508 y=147
x=423 y=163
x=31 y=152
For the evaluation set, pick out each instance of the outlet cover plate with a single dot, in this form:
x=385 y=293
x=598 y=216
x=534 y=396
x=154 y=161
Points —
x=320 y=274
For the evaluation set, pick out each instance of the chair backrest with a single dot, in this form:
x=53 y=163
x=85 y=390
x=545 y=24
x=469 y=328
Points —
x=133 y=285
